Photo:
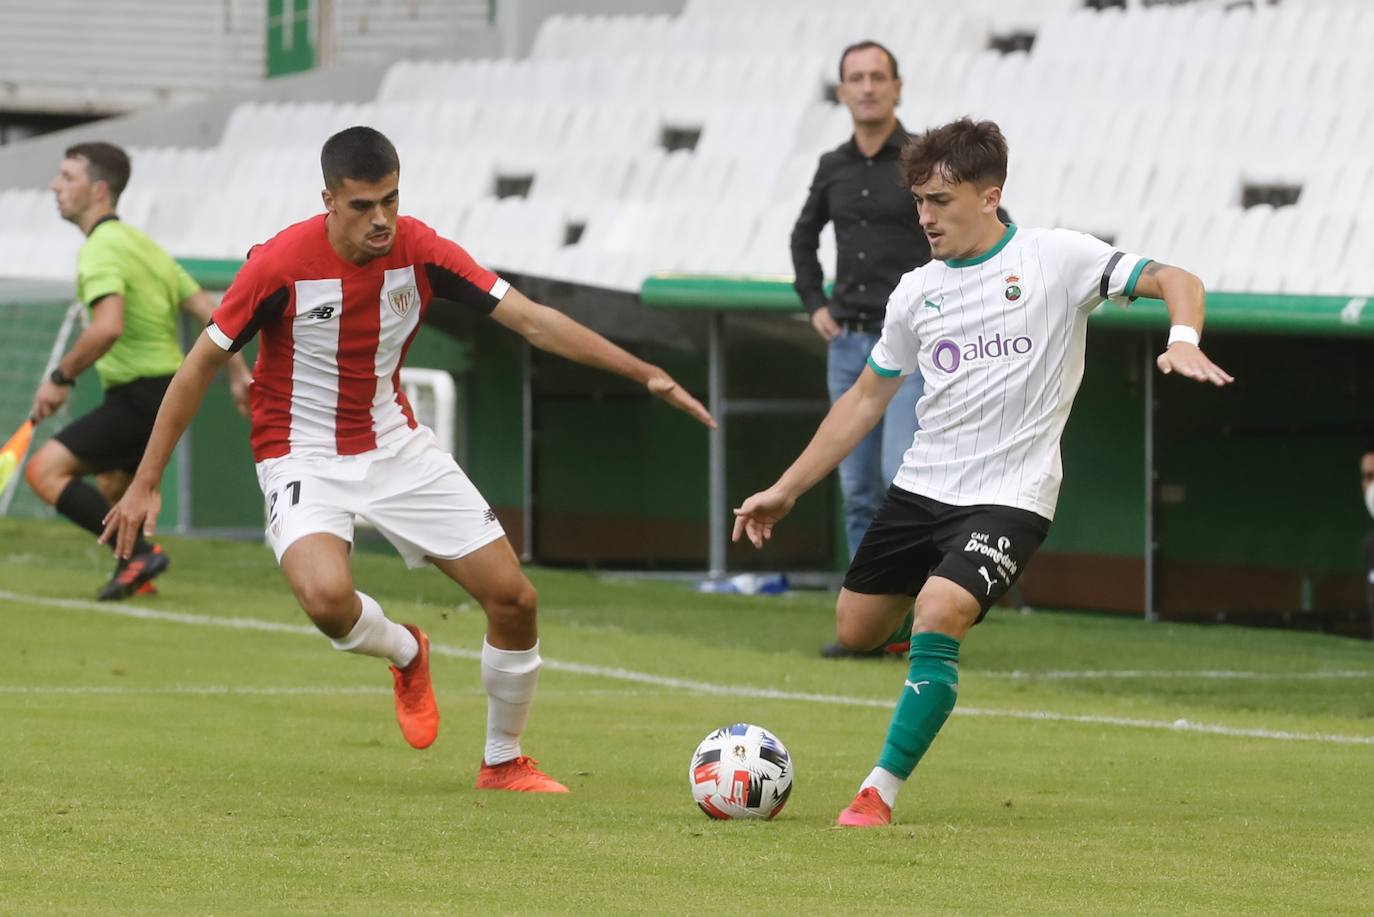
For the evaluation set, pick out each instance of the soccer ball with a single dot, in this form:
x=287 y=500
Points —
x=741 y=771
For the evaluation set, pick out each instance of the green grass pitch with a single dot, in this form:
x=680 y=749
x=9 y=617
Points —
x=171 y=765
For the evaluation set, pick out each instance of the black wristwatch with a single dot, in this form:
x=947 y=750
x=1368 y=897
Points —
x=56 y=377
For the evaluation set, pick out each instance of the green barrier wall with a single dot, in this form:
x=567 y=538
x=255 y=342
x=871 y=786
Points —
x=1255 y=508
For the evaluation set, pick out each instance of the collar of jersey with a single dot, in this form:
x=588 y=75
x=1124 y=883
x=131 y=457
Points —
x=979 y=259
x=107 y=218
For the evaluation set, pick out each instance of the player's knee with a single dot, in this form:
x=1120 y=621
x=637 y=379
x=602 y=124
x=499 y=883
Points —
x=39 y=473
x=33 y=473
x=944 y=615
x=329 y=605
x=854 y=631
x=515 y=607
x=853 y=637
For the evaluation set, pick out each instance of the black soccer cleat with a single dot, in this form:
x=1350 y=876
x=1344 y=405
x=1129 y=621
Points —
x=131 y=575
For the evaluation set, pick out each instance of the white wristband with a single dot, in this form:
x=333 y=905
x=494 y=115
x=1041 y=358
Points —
x=1185 y=333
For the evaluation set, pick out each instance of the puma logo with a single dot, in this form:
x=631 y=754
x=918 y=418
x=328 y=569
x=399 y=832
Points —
x=916 y=685
x=932 y=305
x=984 y=571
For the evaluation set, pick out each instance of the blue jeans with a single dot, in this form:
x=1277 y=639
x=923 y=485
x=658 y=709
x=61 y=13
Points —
x=868 y=470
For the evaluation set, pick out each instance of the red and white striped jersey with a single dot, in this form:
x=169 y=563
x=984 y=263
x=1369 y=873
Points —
x=334 y=334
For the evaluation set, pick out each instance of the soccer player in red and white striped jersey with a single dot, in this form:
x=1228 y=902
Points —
x=337 y=300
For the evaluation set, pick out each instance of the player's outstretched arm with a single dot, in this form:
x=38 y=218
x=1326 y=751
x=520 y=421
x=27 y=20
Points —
x=551 y=330
x=198 y=304
x=140 y=504
x=1186 y=298
x=849 y=420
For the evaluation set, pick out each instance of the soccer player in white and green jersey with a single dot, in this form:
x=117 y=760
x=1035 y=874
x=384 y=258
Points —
x=996 y=324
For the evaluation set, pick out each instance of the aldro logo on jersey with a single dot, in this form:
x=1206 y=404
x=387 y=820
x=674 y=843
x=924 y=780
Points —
x=948 y=354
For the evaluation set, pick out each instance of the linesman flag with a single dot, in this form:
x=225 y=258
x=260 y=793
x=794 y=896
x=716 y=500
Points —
x=14 y=451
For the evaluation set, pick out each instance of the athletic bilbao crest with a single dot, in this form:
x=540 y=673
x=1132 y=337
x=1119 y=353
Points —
x=404 y=299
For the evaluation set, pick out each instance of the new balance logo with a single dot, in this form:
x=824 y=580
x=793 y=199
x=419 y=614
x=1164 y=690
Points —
x=489 y=516
x=916 y=685
x=322 y=313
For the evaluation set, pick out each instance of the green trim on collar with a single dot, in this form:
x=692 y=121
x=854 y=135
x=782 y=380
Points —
x=979 y=259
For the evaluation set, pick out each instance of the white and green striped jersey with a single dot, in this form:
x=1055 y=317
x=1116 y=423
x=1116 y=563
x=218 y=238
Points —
x=999 y=339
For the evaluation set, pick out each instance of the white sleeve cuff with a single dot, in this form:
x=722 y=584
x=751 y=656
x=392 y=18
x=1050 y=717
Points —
x=219 y=337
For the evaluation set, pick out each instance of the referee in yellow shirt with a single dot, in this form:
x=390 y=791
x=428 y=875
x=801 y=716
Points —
x=133 y=289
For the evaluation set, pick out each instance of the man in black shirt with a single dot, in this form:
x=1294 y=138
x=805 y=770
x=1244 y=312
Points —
x=1367 y=484
x=878 y=238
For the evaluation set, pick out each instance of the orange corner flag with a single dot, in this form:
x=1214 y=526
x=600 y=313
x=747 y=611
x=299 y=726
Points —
x=13 y=452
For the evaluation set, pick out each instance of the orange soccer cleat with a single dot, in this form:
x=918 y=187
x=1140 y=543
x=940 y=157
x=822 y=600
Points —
x=866 y=811
x=416 y=710
x=520 y=775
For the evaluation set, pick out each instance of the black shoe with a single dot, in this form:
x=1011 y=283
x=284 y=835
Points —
x=131 y=574
x=840 y=651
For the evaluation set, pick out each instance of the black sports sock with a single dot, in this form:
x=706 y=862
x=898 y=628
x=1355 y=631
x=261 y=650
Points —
x=87 y=507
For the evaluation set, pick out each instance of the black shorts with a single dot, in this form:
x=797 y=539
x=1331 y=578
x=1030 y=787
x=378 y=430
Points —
x=983 y=548
x=113 y=436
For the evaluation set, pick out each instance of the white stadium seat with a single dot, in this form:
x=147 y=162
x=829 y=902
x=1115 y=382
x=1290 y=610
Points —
x=1144 y=124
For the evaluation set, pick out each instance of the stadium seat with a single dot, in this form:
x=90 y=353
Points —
x=1094 y=114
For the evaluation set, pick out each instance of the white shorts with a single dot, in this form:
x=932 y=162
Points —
x=412 y=492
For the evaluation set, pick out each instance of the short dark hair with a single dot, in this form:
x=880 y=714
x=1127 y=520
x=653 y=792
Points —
x=864 y=46
x=1368 y=444
x=360 y=153
x=963 y=150
x=104 y=162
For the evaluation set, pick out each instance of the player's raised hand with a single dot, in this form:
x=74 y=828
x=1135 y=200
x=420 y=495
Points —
x=758 y=514
x=1187 y=360
x=663 y=386
x=136 y=510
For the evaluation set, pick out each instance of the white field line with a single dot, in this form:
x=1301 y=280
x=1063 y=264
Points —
x=194 y=690
x=699 y=687
x=270 y=691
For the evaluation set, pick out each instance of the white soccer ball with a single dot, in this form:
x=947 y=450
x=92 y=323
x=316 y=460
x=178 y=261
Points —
x=741 y=771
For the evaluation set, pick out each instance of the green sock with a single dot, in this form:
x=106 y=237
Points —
x=932 y=684
x=903 y=632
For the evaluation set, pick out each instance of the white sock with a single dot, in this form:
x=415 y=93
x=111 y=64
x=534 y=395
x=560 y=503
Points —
x=886 y=783
x=377 y=635
x=510 y=677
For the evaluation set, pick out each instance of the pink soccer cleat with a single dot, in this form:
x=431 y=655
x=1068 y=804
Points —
x=866 y=811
